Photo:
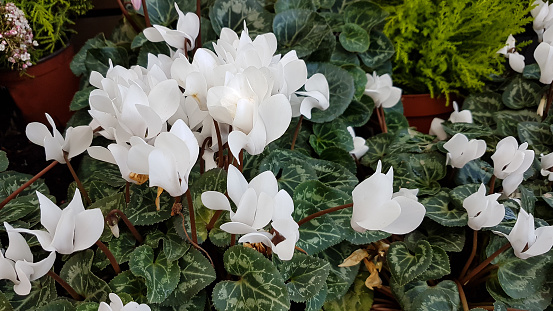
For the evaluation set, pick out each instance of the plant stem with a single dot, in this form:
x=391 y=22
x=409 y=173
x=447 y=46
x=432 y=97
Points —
x=65 y=285
x=219 y=143
x=326 y=211
x=296 y=132
x=383 y=116
x=241 y=161
x=472 y=254
x=127 y=222
x=462 y=296
x=481 y=275
x=109 y=255
x=127 y=16
x=484 y=263
x=549 y=99
x=300 y=249
x=27 y=184
x=76 y=178
x=211 y=223
x=192 y=217
x=379 y=119
x=492 y=184
x=195 y=244
x=232 y=239
x=146 y=16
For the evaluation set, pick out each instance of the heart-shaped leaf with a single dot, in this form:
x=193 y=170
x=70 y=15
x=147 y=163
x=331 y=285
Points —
x=76 y=272
x=405 y=266
x=304 y=275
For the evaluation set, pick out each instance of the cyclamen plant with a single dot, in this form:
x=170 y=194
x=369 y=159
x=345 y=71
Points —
x=235 y=205
x=16 y=38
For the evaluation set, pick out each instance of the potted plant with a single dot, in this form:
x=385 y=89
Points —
x=51 y=23
x=447 y=49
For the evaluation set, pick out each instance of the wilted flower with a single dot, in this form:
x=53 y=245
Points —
x=516 y=61
x=188 y=27
x=462 y=150
x=526 y=241
x=117 y=305
x=76 y=140
x=69 y=230
x=17 y=264
x=544 y=57
x=546 y=165
x=380 y=89
x=376 y=207
x=359 y=147
x=510 y=161
x=483 y=210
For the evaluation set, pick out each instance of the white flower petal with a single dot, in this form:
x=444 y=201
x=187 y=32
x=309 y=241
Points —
x=216 y=201
x=89 y=226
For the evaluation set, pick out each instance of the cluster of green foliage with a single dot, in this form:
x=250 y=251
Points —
x=445 y=47
x=51 y=21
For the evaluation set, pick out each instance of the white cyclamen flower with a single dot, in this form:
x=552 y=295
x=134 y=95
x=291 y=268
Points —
x=516 y=61
x=510 y=161
x=544 y=57
x=17 y=264
x=436 y=128
x=543 y=16
x=359 y=147
x=483 y=210
x=69 y=230
x=316 y=94
x=188 y=27
x=546 y=165
x=526 y=240
x=462 y=150
x=380 y=89
x=376 y=207
x=117 y=305
x=76 y=140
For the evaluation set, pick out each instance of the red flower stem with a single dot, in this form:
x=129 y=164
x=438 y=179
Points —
x=484 y=263
x=65 y=285
x=383 y=125
x=232 y=239
x=462 y=296
x=27 y=184
x=326 y=211
x=241 y=159
x=211 y=223
x=192 y=217
x=492 y=184
x=76 y=178
x=220 y=160
x=472 y=254
x=109 y=255
x=296 y=132
x=195 y=244
x=379 y=119
x=127 y=16
x=300 y=249
x=146 y=16
x=127 y=222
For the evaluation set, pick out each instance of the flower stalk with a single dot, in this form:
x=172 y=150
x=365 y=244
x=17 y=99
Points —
x=111 y=216
x=220 y=161
x=127 y=16
x=146 y=16
x=484 y=263
x=492 y=184
x=323 y=212
x=76 y=178
x=472 y=254
x=65 y=285
x=109 y=255
x=296 y=133
x=27 y=184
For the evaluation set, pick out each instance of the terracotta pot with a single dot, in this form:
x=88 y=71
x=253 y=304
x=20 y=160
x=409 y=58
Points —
x=50 y=88
x=421 y=109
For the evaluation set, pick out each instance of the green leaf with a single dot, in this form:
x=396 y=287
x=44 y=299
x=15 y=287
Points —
x=304 y=276
x=196 y=274
x=359 y=112
x=439 y=208
x=359 y=81
x=354 y=38
x=233 y=13
x=3 y=161
x=507 y=121
x=161 y=275
x=341 y=157
x=380 y=50
x=154 y=48
x=138 y=41
x=475 y=171
x=290 y=172
x=521 y=93
x=339 y=278
x=92 y=169
x=317 y=234
x=122 y=247
x=460 y=193
x=141 y=210
x=260 y=286
x=78 y=63
x=5 y=303
x=405 y=266
x=332 y=134
x=341 y=88
x=76 y=272
x=300 y=30
x=219 y=237
x=378 y=146
x=80 y=99
x=448 y=239
x=88 y=306
x=341 y=57
x=482 y=106
x=532 y=72
x=58 y=305
x=358 y=297
x=174 y=246
x=20 y=207
x=163 y=12
x=528 y=199
x=439 y=265
x=126 y=282
x=418 y=295
x=537 y=301
x=534 y=133
x=11 y=181
x=284 y=5
x=98 y=59
x=422 y=171
x=364 y=14
x=316 y=303
x=470 y=130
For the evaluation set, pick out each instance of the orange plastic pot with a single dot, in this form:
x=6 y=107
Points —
x=50 y=87
x=421 y=109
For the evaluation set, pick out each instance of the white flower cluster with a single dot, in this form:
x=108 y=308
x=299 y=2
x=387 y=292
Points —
x=241 y=96
x=16 y=37
x=543 y=20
